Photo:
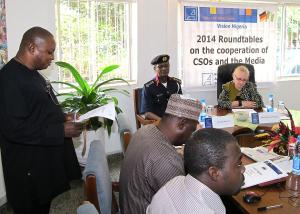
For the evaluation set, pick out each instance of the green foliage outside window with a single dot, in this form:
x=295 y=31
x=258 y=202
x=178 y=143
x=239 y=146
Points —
x=93 y=34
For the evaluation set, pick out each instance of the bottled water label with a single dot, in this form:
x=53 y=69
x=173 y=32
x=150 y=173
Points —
x=296 y=158
x=296 y=165
x=270 y=109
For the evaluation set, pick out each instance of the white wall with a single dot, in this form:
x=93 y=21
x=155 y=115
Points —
x=156 y=34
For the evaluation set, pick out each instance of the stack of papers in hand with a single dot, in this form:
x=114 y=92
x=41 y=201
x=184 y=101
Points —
x=262 y=172
x=106 y=111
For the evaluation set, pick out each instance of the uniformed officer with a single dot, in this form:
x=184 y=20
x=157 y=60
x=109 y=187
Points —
x=157 y=91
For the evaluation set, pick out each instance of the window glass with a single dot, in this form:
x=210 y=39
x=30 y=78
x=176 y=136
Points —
x=93 y=34
x=291 y=55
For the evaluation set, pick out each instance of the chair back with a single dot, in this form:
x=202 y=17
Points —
x=125 y=130
x=137 y=98
x=87 y=209
x=98 y=186
x=246 y=137
x=224 y=74
x=139 y=118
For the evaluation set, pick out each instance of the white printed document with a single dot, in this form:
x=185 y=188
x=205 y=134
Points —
x=248 y=110
x=106 y=111
x=223 y=121
x=262 y=172
x=262 y=154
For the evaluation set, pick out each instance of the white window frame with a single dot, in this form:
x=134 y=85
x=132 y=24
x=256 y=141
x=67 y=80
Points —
x=131 y=41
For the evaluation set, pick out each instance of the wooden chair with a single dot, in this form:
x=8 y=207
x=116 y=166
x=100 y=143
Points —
x=246 y=137
x=125 y=131
x=98 y=154
x=139 y=118
x=98 y=186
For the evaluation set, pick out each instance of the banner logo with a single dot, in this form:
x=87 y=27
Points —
x=190 y=13
x=217 y=14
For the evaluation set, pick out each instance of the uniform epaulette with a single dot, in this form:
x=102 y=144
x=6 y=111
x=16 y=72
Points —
x=147 y=84
x=176 y=79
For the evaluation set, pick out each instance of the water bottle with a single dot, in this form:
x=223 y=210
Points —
x=203 y=111
x=281 y=108
x=270 y=107
x=296 y=158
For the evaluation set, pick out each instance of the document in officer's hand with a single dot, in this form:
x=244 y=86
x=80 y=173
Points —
x=107 y=111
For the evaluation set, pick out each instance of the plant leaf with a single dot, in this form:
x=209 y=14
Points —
x=105 y=71
x=71 y=86
x=110 y=80
x=81 y=82
x=66 y=94
x=292 y=120
x=123 y=91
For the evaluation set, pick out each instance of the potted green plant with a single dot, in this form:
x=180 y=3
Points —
x=85 y=97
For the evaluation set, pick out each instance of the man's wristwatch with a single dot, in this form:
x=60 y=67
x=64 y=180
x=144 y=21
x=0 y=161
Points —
x=240 y=103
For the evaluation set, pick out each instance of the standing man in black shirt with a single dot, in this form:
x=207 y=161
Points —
x=157 y=91
x=38 y=155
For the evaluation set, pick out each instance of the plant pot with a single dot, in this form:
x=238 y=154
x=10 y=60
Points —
x=82 y=143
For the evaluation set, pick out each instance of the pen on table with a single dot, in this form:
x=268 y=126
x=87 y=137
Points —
x=269 y=207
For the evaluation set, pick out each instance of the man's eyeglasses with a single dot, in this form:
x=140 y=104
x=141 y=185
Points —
x=240 y=79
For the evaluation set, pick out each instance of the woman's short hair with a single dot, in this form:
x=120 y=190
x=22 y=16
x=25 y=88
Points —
x=242 y=68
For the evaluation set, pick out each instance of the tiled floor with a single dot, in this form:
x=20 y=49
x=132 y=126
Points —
x=68 y=202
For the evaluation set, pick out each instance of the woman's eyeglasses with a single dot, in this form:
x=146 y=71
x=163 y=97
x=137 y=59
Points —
x=240 y=79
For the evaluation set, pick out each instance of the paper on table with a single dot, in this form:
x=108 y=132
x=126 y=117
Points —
x=262 y=154
x=262 y=172
x=107 y=111
x=249 y=110
x=223 y=121
x=286 y=165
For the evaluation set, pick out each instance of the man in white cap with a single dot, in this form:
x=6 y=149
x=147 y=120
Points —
x=151 y=159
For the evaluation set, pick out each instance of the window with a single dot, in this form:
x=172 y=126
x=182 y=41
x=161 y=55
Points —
x=290 y=41
x=92 y=34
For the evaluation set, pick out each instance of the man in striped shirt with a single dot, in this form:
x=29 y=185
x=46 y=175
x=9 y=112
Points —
x=213 y=163
x=151 y=159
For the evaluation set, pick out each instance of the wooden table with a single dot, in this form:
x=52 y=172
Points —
x=273 y=194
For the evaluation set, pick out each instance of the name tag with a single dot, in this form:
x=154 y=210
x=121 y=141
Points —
x=265 y=117
x=223 y=121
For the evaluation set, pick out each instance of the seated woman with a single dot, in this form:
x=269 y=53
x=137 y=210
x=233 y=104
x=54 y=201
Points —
x=240 y=93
